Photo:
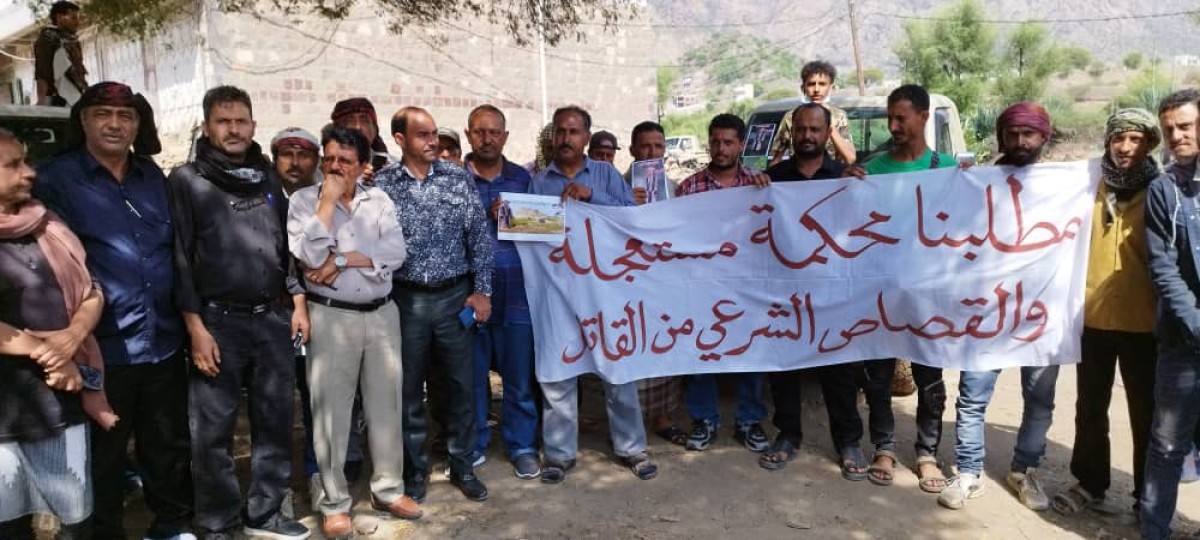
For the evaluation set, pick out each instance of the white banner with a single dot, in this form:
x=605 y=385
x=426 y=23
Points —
x=976 y=269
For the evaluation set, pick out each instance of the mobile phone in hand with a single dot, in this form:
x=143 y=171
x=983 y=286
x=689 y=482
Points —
x=467 y=317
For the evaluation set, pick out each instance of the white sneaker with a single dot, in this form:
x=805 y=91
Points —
x=960 y=488
x=1028 y=489
x=316 y=491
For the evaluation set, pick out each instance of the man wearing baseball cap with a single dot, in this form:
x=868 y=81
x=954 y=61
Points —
x=449 y=146
x=603 y=146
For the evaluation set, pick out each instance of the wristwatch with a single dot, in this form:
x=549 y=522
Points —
x=93 y=379
x=339 y=261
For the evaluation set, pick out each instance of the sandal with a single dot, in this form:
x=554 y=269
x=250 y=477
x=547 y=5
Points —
x=1073 y=500
x=778 y=455
x=673 y=435
x=879 y=474
x=640 y=464
x=930 y=483
x=555 y=472
x=854 y=464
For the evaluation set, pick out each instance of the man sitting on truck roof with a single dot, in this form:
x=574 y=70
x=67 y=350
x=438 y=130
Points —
x=817 y=83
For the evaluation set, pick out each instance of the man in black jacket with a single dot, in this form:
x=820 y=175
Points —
x=237 y=287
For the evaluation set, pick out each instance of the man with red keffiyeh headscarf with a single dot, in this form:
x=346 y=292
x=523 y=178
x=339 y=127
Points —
x=359 y=113
x=1022 y=131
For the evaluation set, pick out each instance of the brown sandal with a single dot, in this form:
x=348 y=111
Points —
x=879 y=474
x=930 y=483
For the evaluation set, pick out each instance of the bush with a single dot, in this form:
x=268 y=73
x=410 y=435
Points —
x=781 y=93
x=1132 y=60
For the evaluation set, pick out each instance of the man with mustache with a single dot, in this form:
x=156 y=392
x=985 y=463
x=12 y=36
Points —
x=811 y=127
x=1118 y=313
x=242 y=303
x=359 y=113
x=109 y=190
x=1023 y=131
x=348 y=237
x=726 y=139
x=574 y=175
x=1171 y=234
x=506 y=339
x=448 y=270
x=603 y=146
x=908 y=111
x=295 y=153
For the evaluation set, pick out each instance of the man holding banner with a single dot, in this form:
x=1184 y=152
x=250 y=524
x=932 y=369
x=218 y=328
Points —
x=1023 y=130
x=908 y=110
x=573 y=175
x=726 y=137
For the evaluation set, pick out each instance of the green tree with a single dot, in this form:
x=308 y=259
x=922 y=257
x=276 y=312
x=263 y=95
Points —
x=1029 y=60
x=872 y=76
x=742 y=109
x=522 y=19
x=1146 y=90
x=665 y=78
x=1133 y=60
x=952 y=54
x=1075 y=59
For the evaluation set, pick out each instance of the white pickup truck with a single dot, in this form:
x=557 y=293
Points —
x=868 y=126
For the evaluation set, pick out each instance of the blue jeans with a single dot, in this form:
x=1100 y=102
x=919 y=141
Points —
x=975 y=393
x=702 y=399
x=512 y=347
x=1177 y=408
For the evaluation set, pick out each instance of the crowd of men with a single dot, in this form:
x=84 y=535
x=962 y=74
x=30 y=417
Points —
x=139 y=306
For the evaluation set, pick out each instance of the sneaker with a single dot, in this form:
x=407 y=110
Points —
x=962 y=487
x=702 y=436
x=1028 y=489
x=753 y=437
x=278 y=527
x=527 y=467
x=316 y=491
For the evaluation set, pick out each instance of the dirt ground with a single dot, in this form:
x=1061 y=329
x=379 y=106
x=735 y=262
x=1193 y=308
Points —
x=723 y=493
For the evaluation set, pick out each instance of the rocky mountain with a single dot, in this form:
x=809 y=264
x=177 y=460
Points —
x=1110 y=29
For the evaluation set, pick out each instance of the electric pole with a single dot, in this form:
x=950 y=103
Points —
x=862 y=85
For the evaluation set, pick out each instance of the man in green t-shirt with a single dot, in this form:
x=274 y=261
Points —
x=908 y=112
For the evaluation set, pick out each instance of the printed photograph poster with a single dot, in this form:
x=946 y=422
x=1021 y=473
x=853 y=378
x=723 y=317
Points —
x=758 y=140
x=651 y=175
x=530 y=218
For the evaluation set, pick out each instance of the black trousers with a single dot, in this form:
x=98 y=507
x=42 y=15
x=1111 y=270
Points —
x=931 y=404
x=432 y=335
x=785 y=394
x=256 y=353
x=840 y=384
x=151 y=400
x=1103 y=352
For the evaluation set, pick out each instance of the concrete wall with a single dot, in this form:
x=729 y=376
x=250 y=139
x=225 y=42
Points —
x=297 y=67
